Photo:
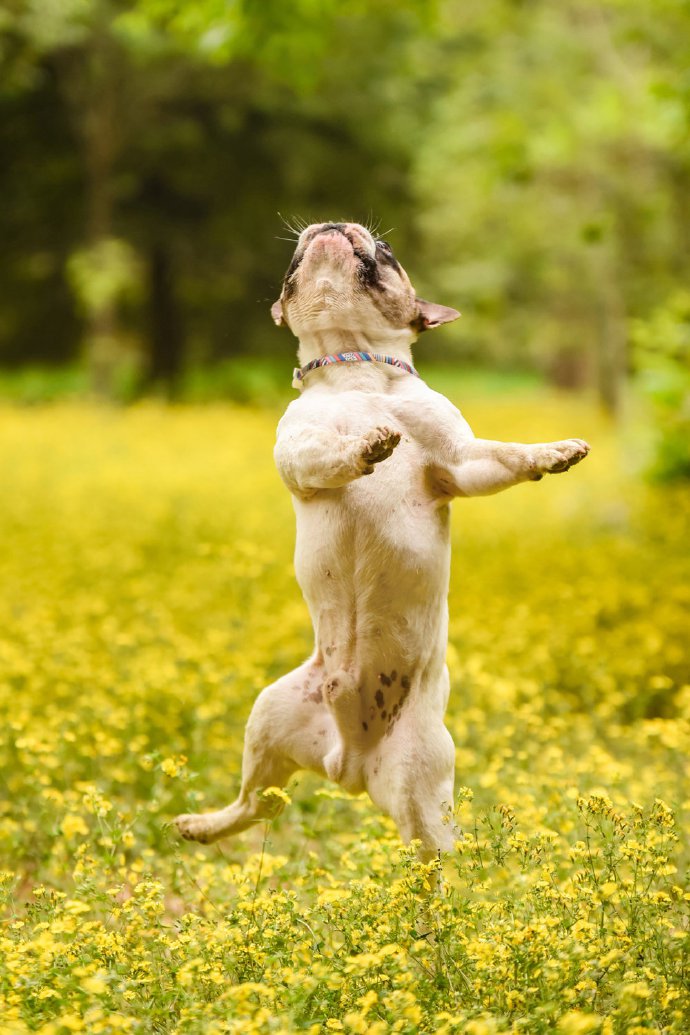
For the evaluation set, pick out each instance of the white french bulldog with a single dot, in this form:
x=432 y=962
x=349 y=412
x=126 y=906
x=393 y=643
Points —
x=373 y=458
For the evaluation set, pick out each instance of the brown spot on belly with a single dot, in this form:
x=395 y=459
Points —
x=384 y=713
x=380 y=700
x=393 y=718
x=405 y=682
x=394 y=675
x=365 y=726
x=386 y=680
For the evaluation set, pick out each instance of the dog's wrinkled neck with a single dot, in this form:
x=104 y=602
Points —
x=368 y=377
x=397 y=343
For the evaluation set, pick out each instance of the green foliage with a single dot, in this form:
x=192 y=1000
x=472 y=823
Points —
x=260 y=381
x=104 y=274
x=663 y=360
x=533 y=157
x=32 y=384
x=538 y=170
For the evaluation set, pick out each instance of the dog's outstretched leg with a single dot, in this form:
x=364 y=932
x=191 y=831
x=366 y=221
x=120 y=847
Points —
x=258 y=772
x=289 y=728
x=483 y=467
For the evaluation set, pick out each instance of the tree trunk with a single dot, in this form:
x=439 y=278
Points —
x=165 y=325
x=97 y=97
x=611 y=340
x=611 y=351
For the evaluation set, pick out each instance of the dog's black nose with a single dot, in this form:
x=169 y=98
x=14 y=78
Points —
x=327 y=227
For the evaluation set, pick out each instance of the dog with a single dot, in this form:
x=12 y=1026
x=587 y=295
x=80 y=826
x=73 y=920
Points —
x=373 y=458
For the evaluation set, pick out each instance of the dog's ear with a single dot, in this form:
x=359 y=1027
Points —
x=277 y=313
x=429 y=315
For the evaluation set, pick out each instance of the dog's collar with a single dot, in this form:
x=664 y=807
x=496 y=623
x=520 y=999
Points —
x=350 y=357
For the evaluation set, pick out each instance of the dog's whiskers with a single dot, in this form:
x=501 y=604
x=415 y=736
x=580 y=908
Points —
x=295 y=224
x=372 y=227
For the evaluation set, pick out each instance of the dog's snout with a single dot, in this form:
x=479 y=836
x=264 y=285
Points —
x=353 y=232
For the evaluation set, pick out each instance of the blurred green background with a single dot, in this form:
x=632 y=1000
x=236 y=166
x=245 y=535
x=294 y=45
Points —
x=528 y=161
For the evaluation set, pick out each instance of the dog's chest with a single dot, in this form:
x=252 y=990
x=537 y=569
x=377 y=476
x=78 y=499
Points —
x=372 y=557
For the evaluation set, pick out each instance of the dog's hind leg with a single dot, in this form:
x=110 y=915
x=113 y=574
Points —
x=411 y=778
x=289 y=728
x=258 y=772
x=343 y=700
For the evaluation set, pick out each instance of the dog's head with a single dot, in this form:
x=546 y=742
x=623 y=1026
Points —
x=341 y=277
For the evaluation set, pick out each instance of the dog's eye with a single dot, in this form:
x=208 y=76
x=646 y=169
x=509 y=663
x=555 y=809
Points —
x=385 y=257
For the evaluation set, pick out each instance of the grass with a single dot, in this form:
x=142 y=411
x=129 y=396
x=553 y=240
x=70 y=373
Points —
x=148 y=594
x=259 y=381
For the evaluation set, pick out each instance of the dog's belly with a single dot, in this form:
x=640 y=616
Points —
x=373 y=562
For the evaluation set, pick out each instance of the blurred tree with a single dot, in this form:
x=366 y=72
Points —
x=663 y=361
x=258 y=122
x=70 y=45
x=195 y=126
x=40 y=186
x=534 y=158
x=544 y=179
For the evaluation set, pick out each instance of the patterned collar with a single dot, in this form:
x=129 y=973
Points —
x=350 y=357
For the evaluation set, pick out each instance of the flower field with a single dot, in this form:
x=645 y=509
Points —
x=148 y=594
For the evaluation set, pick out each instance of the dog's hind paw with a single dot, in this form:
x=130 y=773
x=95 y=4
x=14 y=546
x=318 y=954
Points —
x=196 y=827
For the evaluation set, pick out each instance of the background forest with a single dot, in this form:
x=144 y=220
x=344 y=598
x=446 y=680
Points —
x=531 y=159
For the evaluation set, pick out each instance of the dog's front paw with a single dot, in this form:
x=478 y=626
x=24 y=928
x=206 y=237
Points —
x=556 y=457
x=377 y=445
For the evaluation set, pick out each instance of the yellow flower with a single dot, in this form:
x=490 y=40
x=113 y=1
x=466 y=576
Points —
x=576 y=1023
x=356 y=1022
x=637 y=990
x=277 y=792
x=73 y=826
x=72 y=1022
x=479 y=1027
x=95 y=984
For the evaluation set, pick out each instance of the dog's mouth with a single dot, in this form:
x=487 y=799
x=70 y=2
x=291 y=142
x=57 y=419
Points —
x=332 y=237
x=342 y=245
